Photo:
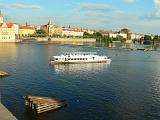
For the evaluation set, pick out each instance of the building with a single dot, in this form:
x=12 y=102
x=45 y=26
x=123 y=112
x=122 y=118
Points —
x=114 y=34
x=135 y=36
x=8 y=31
x=52 y=30
x=25 y=31
x=89 y=31
x=72 y=32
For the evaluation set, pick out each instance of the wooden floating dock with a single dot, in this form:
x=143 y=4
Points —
x=39 y=104
x=3 y=74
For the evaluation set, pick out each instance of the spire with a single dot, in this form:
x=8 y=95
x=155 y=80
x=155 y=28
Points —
x=49 y=23
x=1 y=17
x=26 y=24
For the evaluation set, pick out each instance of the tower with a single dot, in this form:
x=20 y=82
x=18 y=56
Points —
x=1 y=17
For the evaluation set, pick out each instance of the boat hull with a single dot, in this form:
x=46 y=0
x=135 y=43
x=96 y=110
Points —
x=108 y=61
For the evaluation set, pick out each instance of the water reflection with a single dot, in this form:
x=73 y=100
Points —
x=42 y=116
x=78 y=68
x=73 y=43
x=8 y=53
x=7 y=50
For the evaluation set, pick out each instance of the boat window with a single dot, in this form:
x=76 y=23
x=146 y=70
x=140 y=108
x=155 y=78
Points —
x=56 y=58
x=71 y=58
x=68 y=59
x=75 y=59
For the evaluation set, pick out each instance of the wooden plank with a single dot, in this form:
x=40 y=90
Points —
x=3 y=74
x=42 y=104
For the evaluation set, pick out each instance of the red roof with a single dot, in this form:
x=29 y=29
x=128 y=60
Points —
x=1 y=25
x=9 y=24
x=27 y=27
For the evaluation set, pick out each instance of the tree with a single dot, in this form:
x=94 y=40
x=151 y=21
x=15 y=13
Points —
x=147 y=37
x=120 y=38
x=156 y=38
x=39 y=33
x=98 y=34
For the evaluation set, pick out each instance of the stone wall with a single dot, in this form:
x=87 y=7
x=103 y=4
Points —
x=10 y=40
x=66 y=39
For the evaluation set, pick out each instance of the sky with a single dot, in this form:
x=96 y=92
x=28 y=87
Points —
x=140 y=16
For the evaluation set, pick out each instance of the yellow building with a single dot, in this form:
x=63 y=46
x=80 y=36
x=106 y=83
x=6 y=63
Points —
x=132 y=36
x=8 y=31
x=25 y=31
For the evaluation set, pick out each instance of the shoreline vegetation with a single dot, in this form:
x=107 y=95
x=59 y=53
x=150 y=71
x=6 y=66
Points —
x=42 y=36
x=133 y=45
x=100 y=39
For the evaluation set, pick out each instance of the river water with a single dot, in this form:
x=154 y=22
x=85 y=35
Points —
x=127 y=89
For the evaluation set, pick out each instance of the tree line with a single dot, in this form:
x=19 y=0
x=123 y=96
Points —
x=148 y=39
x=103 y=38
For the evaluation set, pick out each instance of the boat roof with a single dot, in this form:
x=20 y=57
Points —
x=80 y=53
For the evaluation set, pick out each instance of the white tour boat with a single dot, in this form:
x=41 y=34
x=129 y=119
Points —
x=80 y=57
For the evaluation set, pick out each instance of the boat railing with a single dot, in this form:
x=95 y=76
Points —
x=79 y=53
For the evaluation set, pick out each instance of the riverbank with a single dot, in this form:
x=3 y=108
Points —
x=5 y=114
x=46 y=39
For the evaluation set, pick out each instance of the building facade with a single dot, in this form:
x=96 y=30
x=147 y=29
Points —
x=8 y=31
x=72 y=32
x=25 y=31
x=136 y=36
x=52 y=30
x=114 y=34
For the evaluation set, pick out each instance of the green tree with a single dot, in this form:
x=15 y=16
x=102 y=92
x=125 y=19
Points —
x=156 y=38
x=40 y=33
x=147 y=37
x=98 y=34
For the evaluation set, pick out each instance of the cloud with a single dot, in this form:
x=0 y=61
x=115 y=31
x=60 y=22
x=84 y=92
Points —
x=154 y=15
x=99 y=10
x=157 y=7
x=19 y=6
x=3 y=6
x=25 y=6
x=129 y=1
x=95 y=7
x=95 y=10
